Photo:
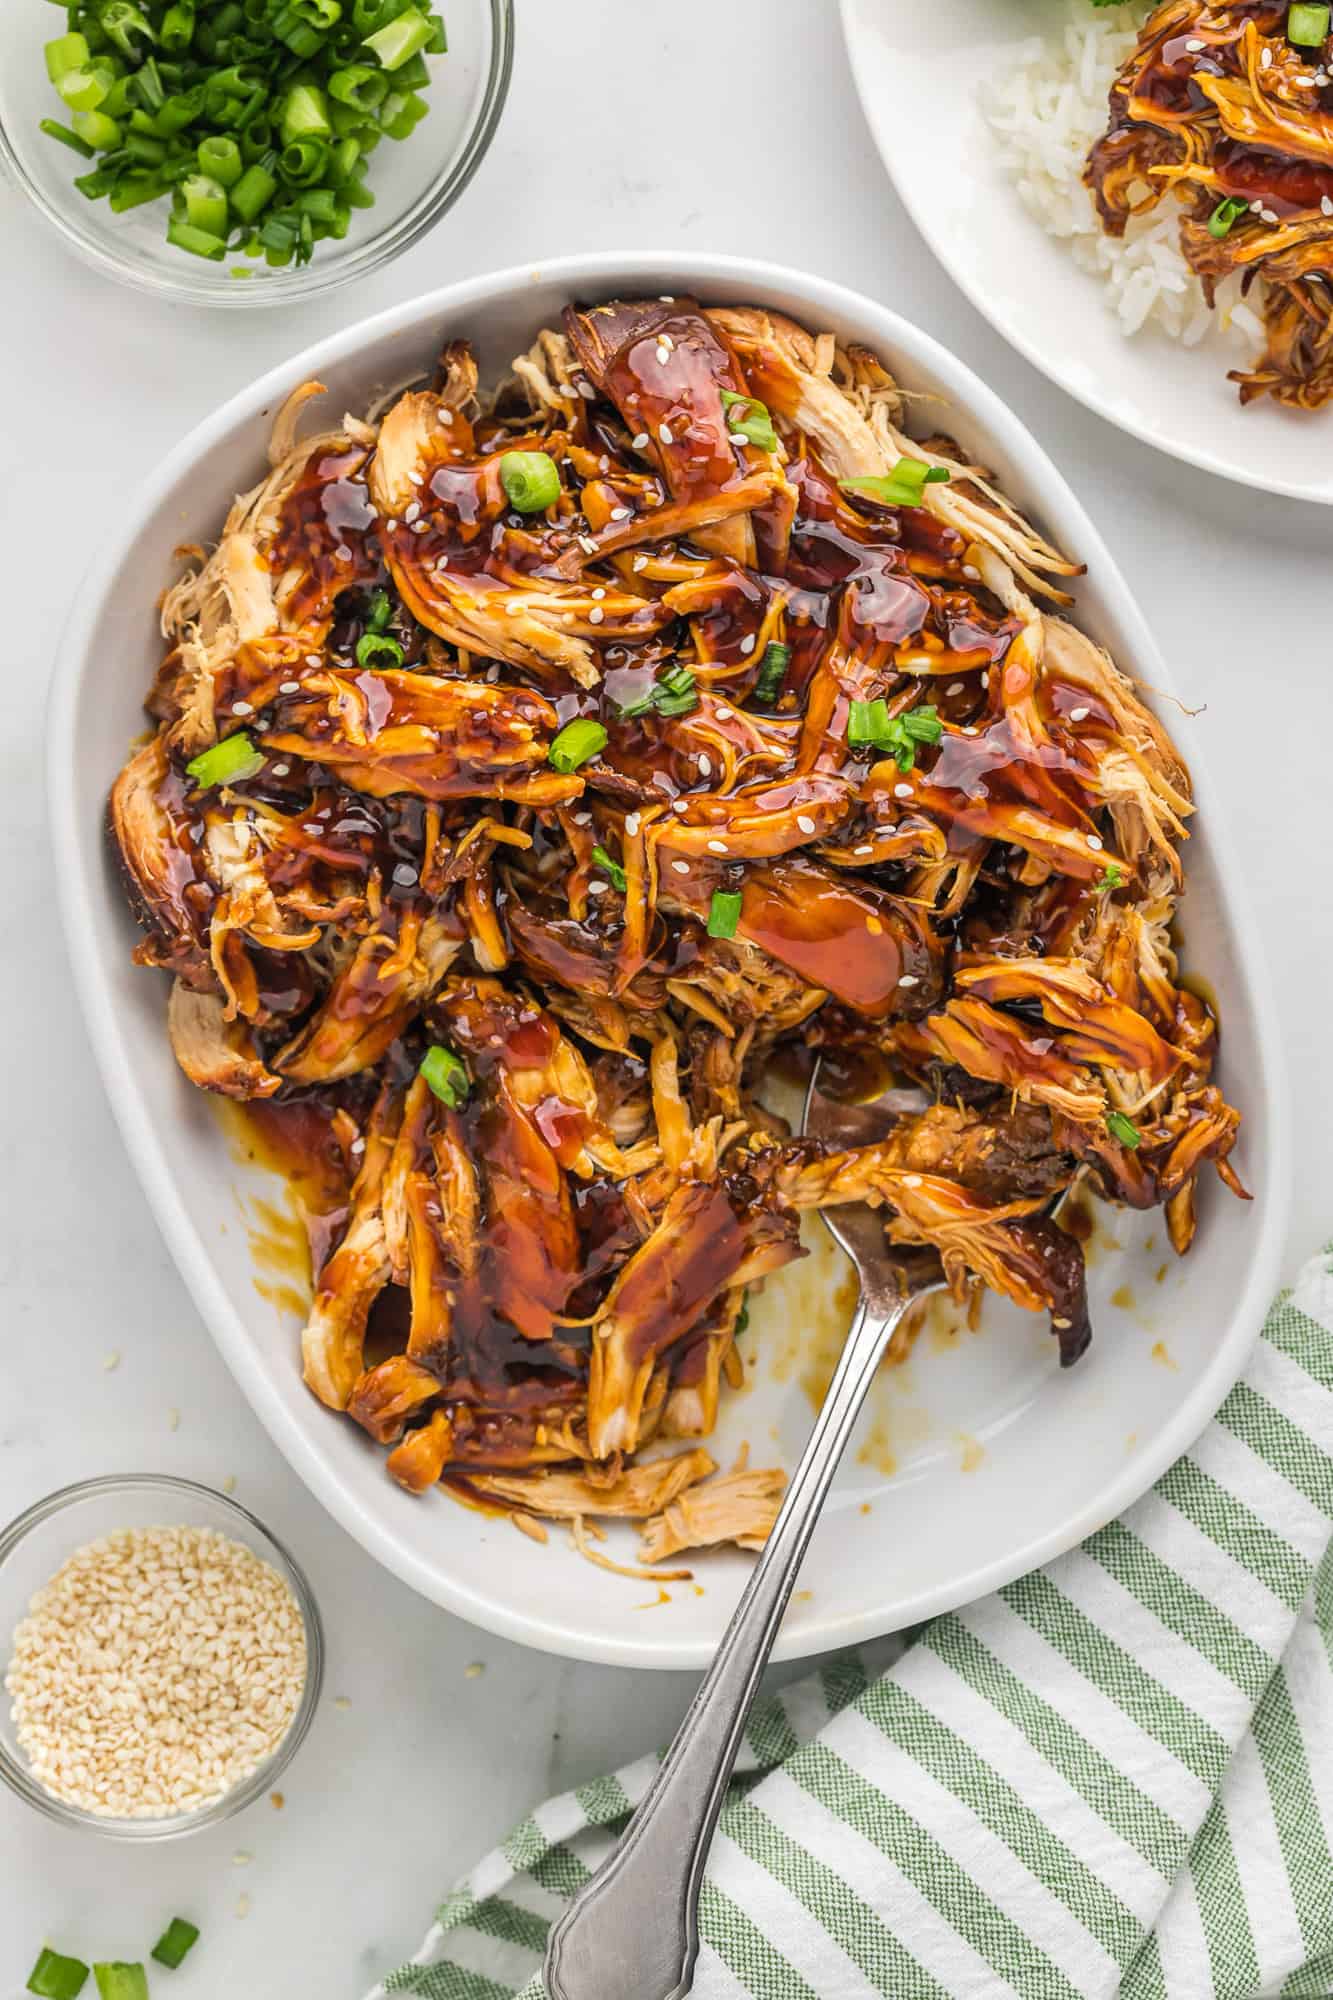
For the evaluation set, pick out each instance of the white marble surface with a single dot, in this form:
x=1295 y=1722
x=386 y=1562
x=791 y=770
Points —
x=716 y=125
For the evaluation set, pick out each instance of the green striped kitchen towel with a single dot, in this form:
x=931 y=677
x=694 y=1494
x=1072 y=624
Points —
x=1113 y=1777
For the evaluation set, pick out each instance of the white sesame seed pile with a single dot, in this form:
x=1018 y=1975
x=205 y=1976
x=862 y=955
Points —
x=156 y=1670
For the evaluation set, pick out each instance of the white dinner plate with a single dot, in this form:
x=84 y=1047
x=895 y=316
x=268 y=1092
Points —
x=920 y=72
x=979 y=1458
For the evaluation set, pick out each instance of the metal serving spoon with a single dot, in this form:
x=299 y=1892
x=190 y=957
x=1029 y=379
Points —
x=632 y=1933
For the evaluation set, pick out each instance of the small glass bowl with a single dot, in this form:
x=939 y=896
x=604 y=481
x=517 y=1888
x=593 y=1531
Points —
x=414 y=181
x=33 y=1547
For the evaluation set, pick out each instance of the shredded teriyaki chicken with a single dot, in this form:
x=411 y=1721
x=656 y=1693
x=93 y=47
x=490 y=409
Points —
x=531 y=768
x=1221 y=107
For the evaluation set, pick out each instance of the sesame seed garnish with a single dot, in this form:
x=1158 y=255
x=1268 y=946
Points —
x=909 y=979
x=705 y=764
x=1256 y=207
x=586 y=390
x=242 y=708
x=587 y=544
x=405 y=875
x=738 y=437
x=413 y=512
x=1266 y=59
x=358 y=1145
x=597 y=888
x=971 y=572
x=639 y=562
x=679 y=806
x=902 y=791
x=664 y=432
x=281 y=770
x=1078 y=714
x=441 y=562
x=603 y=463
x=313 y=660
x=681 y=867
x=596 y=615
x=639 y=440
x=391 y=524
x=722 y=712
x=631 y=824
x=420 y=527
x=1269 y=214
x=445 y=416
x=747 y=643
x=865 y=848
x=985 y=679
x=156 y=1670
x=415 y=477
x=667 y=298
x=620 y=513
x=1095 y=840
x=717 y=847
x=343 y=553
x=600 y=592
x=662 y=356
x=804 y=821
x=911 y=1180
x=582 y=819
x=1326 y=204
x=1194 y=45
x=289 y=687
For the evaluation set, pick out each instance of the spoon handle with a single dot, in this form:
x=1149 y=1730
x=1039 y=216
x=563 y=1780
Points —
x=633 y=1929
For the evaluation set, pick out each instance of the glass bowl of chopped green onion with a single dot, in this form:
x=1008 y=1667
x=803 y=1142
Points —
x=248 y=152
x=151 y=1657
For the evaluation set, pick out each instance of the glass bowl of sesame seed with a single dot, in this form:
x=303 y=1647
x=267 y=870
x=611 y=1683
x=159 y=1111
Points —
x=162 y=1657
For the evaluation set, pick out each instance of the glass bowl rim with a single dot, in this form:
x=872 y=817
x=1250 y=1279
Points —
x=17 y=1775
x=314 y=279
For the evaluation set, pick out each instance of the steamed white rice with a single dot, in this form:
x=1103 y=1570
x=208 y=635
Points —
x=1045 y=113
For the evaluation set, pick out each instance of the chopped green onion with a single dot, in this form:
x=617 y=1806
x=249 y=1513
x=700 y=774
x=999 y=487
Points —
x=380 y=612
x=1222 y=217
x=772 y=671
x=220 y=158
x=67 y=138
x=255 y=189
x=724 y=913
x=531 y=480
x=205 y=204
x=226 y=763
x=177 y=1939
x=84 y=89
x=305 y=114
x=95 y=129
x=302 y=162
x=610 y=866
x=55 y=1977
x=1124 y=1129
x=754 y=423
x=1307 y=26
x=446 y=1074
x=127 y=27
x=742 y=1318
x=65 y=53
x=577 y=742
x=400 y=113
x=177 y=30
x=922 y=723
x=677 y=693
x=868 y=724
x=136 y=189
x=378 y=650
x=1111 y=877
x=118 y=1981
x=400 y=39
x=359 y=86
x=905 y=486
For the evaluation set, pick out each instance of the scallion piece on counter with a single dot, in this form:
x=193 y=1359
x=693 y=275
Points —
x=611 y=867
x=577 y=742
x=379 y=650
x=905 y=486
x=55 y=1977
x=531 y=480
x=226 y=763
x=750 y=419
x=772 y=671
x=446 y=1074
x=1222 y=217
x=1307 y=26
x=179 y=1938
x=1124 y=1129
x=724 y=913
x=117 y=1980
